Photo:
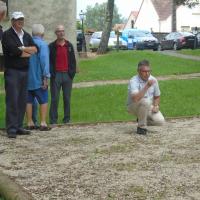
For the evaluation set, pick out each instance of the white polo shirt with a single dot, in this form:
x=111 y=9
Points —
x=136 y=84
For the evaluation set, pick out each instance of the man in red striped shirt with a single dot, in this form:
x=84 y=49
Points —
x=62 y=69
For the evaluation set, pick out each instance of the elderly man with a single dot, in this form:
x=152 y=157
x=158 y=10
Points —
x=62 y=69
x=17 y=47
x=38 y=78
x=144 y=98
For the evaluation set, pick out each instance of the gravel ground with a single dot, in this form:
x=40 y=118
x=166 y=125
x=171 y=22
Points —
x=107 y=161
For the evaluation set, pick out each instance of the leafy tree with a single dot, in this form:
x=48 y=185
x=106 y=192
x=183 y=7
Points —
x=107 y=28
x=175 y=3
x=96 y=16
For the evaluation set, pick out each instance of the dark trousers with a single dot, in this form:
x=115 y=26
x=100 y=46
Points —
x=16 y=96
x=61 y=80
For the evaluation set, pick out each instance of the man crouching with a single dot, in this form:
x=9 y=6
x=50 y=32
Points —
x=144 y=98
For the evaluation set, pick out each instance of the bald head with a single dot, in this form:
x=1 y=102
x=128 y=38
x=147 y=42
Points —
x=60 y=27
x=60 y=32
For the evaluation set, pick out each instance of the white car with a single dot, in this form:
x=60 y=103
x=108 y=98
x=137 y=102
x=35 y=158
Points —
x=112 y=43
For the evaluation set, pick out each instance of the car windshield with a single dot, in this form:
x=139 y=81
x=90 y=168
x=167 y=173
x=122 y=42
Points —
x=97 y=35
x=139 y=34
x=186 y=34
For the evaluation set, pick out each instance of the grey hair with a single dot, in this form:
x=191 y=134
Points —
x=143 y=63
x=3 y=7
x=38 y=29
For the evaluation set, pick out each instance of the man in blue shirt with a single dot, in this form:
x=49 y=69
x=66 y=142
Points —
x=38 y=75
x=144 y=98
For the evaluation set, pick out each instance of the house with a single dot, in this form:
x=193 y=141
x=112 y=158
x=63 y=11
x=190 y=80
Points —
x=156 y=16
x=118 y=27
x=131 y=19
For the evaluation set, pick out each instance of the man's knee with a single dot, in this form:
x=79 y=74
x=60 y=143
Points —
x=157 y=120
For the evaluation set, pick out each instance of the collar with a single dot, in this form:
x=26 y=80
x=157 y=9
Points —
x=65 y=44
x=21 y=33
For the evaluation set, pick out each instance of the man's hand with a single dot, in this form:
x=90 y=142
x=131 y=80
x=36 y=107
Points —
x=155 y=108
x=150 y=83
x=45 y=84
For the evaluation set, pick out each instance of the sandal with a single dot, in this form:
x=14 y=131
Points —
x=44 y=128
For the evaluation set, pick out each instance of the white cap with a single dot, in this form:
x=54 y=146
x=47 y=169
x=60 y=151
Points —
x=17 y=15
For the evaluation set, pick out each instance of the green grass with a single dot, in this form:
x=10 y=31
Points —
x=123 y=65
x=193 y=52
x=108 y=103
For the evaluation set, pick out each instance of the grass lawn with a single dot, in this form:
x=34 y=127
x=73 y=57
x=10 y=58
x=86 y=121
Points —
x=193 y=52
x=107 y=103
x=123 y=65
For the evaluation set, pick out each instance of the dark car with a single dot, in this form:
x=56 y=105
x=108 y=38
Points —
x=197 y=45
x=79 y=40
x=178 y=40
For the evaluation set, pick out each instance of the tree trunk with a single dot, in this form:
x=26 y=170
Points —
x=11 y=191
x=106 y=31
x=173 y=15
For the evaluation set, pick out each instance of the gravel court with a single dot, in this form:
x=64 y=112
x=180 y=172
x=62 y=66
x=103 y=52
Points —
x=107 y=161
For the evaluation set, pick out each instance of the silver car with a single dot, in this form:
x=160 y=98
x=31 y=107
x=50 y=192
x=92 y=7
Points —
x=112 y=43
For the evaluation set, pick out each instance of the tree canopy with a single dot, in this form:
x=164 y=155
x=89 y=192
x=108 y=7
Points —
x=95 y=16
x=190 y=3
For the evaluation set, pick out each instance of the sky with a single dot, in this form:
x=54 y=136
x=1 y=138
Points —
x=124 y=6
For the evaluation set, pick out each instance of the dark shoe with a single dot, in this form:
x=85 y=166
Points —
x=22 y=131
x=12 y=134
x=66 y=121
x=37 y=127
x=30 y=127
x=141 y=131
x=45 y=128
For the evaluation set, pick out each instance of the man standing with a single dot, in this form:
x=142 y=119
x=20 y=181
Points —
x=38 y=79
x=144 y=98
x=62 y=69
x=17 y=47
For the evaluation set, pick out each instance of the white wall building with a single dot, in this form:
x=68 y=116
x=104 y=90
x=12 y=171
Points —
x=156 y=15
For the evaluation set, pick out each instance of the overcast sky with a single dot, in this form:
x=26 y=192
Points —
x=124 y=6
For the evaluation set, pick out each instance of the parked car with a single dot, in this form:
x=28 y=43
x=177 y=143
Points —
x=197 y=45
x=79 y=40
x=140 y=39
x=112 y=43
x=178 y=40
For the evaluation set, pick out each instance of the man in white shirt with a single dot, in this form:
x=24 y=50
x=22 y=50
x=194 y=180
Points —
x=144 y=98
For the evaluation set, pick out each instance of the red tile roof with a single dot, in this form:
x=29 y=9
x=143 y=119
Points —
x=163 y=8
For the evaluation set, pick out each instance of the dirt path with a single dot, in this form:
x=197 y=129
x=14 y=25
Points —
x=176 y=54
x=118 y=82
x=107 y=161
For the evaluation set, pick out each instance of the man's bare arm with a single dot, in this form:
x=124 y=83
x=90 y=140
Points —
x=138 y=96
